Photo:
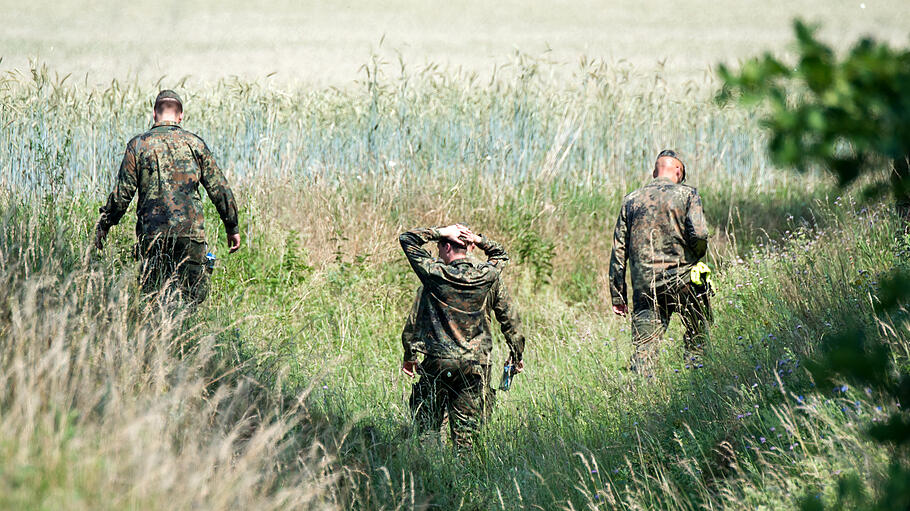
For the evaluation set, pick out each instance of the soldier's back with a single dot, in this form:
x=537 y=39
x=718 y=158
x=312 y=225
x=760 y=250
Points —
x=454 y=311
x=169 y=172
x=656 y=218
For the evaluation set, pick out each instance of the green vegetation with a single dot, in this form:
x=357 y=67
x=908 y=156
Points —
x=850 y=117
x=285 y=391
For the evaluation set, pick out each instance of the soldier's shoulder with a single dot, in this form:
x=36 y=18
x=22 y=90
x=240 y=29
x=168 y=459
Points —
x=689 y=190
x=631 y=196
x=135 y=140
x=193 y=138
x=491 y=269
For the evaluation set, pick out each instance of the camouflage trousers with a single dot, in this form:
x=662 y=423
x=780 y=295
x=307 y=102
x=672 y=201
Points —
x=651 y=316
x=453 y=388
x=175 y=267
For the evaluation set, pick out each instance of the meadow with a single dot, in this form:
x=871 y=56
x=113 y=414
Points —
x=284 y=390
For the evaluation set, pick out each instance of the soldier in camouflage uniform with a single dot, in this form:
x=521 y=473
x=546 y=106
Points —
x=166 y=165
x=661 y=232
x=450 y=325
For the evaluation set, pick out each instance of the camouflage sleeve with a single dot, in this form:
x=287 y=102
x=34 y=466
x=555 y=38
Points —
x=618 y=258
x=696 y=227
x=216 y=186
x=496 y=254
x=509 y=320
x=409 y=333
x=124 y=189
x=421 y=261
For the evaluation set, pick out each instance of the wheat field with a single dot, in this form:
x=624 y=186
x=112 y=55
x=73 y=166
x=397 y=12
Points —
x=326 y=43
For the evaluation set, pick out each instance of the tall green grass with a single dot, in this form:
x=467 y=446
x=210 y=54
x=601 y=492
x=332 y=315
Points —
x=284 y=389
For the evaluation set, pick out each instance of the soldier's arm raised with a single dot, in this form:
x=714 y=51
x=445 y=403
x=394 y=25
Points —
x=496 y=254
x=696 y=227
x=509 y=321
x=618 y=261
x=412 y=243
x=220 y=193
x=119 y=199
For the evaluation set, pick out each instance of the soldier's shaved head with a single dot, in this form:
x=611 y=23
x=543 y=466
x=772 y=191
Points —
x=168 y=111
x=168 y=107
x=669 y=165
x=168 y=100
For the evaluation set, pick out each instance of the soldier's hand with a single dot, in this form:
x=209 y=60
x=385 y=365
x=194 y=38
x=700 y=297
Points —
x=621 y=310
x=233 y=241
x=454 y=233
x=518 y=367
x=409 y=367
x=100 y=235
x=468 y=237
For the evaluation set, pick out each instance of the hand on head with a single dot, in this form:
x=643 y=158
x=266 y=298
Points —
x=459 y=234
x=468 y=238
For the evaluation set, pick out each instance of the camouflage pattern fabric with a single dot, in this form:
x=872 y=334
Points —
x=449 y=324
x=455 y=389
x=450 y=318
x=661 y=233
x=174 y=266
x=651 y=317
x=166 y=165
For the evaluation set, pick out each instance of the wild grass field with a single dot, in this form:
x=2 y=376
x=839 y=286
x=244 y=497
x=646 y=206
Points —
x=284 y=390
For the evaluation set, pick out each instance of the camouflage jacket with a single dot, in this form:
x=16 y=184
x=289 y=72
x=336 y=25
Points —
x=166 y=165
x=450 y=316
x=661 y=231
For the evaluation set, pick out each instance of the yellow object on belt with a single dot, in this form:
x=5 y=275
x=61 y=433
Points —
x=700 y=274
